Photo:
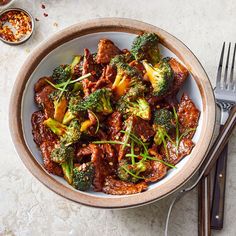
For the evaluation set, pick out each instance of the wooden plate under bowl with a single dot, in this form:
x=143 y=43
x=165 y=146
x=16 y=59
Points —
x=59 y=49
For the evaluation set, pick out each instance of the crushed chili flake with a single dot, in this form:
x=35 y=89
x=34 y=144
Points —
x=43 y=6
x=45 y=14
x=15 y=25
x=36 y=19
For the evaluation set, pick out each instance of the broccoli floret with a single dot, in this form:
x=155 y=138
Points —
x=160 y=76
x=55 y=126
x=137 y=89
x=77 y=88
x=121 y=59
x=164 y=118
x=72 y=134
x=68 y=134
x=72 y=111
x=140 y=108
x=145 y=46
x=98 y=101
x=62 y=153
x=163 y=123
x=125 y=169
x=75 y=62
x=83 y=176
x=61 y=73
x=64 y=156
x=128 y=78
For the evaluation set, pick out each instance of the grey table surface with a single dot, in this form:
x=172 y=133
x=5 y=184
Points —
x=29 y=208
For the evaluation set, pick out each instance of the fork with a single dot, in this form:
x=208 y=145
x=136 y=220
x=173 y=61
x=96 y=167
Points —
x=225 y=94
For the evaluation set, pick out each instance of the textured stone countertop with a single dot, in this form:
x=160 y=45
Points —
x=29 y=208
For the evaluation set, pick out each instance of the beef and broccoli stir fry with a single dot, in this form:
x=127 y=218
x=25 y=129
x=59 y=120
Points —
x=111 y=121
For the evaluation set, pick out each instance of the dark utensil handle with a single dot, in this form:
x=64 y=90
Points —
x=204 y=208
x=220 y=142
x=217 y=210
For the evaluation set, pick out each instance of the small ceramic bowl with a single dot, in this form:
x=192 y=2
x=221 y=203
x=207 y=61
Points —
x=24 y=39
x=59 y=49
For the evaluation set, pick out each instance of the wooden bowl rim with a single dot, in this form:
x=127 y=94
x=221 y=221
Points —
x=113 y=25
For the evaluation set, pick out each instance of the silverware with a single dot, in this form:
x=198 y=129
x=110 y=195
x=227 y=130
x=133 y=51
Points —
x=225 y=97
x=204 y=207
x=225 y=94
x=210 y=160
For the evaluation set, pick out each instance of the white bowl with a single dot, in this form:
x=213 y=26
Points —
x=60 y=50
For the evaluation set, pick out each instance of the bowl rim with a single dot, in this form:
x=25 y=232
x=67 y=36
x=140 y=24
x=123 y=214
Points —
x=113 y=25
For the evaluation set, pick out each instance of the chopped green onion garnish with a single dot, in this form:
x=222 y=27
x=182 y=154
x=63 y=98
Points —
x=110 y=142
x=155 y=159
x=59 y=86
x=134 y=175
x=151 y=158
x=98 y=123
x=64 y=88
x=184 y=134
x=136 y=140
x=132 y=152
x=53 y=85
x=76 y=80
x=127 y=135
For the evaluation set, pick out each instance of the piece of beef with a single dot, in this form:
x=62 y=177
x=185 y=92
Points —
x=106 y=79
x=90 y=66
x=106 y=51
x=110 y=157
x=40 y=132
x=185 y=147
x=104 y=160
x=100 y=170
x=42 y=91
x=142 y=129
x=188 y=115
x=46 y=150
x=180 y=75
x=119 y=187
x=41 y=83
x=46 y=141
x=83 y=154
x=114 y=125
x=157 y=170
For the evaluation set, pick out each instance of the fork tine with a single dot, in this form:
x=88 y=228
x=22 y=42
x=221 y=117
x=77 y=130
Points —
x=231 y=84
x=225 y=84
x=219 y=72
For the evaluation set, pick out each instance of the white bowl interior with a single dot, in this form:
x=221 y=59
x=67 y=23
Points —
x=63 y=55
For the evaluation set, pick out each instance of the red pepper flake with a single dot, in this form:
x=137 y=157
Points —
x=45 y=14
x=43 y=6
x=36 y=19
x=15 y=25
